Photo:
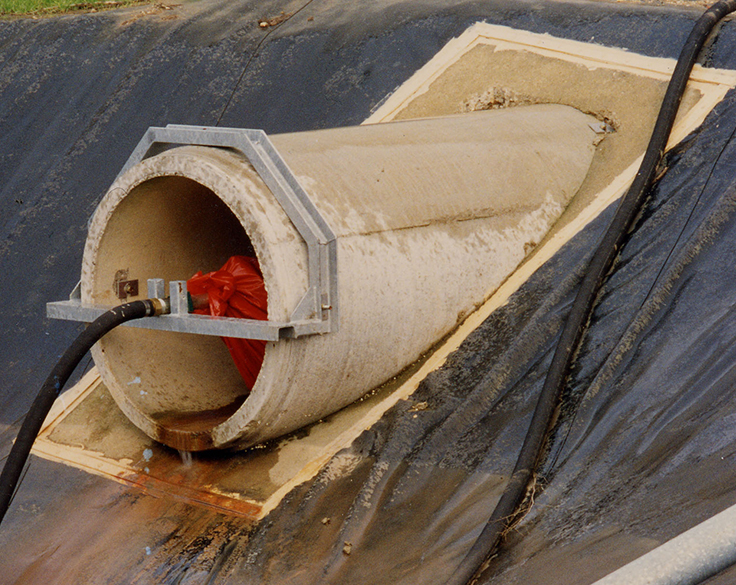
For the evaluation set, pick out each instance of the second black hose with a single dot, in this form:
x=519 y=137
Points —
x=473 y=565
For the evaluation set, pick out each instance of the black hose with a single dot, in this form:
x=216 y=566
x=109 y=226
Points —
x=55 y=382
x=474 y=565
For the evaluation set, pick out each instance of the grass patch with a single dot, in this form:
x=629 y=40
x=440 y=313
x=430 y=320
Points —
x=49 y=7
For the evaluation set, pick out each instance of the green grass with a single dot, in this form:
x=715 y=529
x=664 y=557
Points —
x=45 y=7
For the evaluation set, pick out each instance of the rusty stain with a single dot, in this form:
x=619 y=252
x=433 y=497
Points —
x=224 y=504
x=191 y=431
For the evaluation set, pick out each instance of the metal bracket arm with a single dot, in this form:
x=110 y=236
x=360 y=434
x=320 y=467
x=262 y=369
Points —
x=317 y=312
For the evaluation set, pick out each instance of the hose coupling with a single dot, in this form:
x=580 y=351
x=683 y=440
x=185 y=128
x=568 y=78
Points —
x=158 y=307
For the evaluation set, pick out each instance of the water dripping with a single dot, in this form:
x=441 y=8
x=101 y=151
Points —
x=186 y=457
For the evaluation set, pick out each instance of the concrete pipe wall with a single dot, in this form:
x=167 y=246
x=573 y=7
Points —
x=430 y=217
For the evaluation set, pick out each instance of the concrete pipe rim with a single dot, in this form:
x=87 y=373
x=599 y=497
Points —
x=213 y=170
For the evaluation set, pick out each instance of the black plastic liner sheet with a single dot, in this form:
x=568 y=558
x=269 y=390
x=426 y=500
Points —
x=645 y=446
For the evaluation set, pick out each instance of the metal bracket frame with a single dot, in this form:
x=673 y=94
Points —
x=316 y=312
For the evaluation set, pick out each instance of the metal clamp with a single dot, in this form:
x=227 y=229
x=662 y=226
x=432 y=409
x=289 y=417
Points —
x=316 y=312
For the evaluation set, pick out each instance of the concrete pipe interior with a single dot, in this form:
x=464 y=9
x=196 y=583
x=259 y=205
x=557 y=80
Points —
x=430 y=217
x=170 y=227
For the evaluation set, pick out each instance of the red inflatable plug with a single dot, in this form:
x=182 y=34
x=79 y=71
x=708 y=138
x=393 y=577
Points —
x=236 y=290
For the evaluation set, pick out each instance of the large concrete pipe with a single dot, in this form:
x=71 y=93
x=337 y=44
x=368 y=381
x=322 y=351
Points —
x=429 y=216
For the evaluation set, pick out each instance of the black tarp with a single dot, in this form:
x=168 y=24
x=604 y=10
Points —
x=644 y=447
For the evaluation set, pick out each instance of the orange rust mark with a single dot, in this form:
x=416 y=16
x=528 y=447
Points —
x=224 y=504
x=191 y=431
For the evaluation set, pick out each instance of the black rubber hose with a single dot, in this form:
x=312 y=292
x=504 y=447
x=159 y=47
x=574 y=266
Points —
x=474 y=565
x=52 y=387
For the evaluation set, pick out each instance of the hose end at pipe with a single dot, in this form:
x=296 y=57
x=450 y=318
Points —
x=157 y=307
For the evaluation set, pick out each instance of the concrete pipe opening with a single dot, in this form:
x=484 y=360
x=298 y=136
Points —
x=430 y=216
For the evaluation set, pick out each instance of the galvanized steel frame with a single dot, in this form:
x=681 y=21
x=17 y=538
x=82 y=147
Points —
x=317 y=312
